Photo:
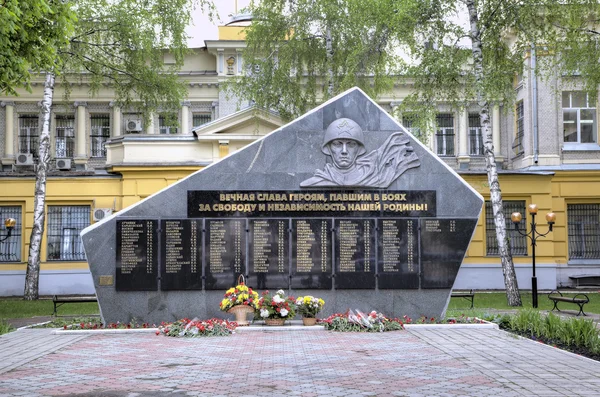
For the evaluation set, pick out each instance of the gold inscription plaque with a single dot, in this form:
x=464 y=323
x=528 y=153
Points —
x=106 y=280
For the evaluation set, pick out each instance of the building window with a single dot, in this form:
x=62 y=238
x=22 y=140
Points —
x=579 y=117
x=200 y=118
x=518 y=243
x=445 y=134
x=475 y=135
x=165 y=125
x=584 y=231
x=520 y=117
x=65 y=136
x=409 y=122
x=100 y=134
x=29 y=134
x=64 y=225
x=10 y=249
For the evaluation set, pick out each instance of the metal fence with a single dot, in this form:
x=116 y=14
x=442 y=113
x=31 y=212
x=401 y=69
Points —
x=584 y=231
x=518 y=243
x=64 y=225
x=10 y=249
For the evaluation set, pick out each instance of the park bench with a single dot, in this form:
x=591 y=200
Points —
x=464 y=294
x=579 y=299
x=59 y=300
x=586 y=280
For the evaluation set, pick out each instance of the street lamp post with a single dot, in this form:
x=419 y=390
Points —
x=9 y=223
x=533 y=235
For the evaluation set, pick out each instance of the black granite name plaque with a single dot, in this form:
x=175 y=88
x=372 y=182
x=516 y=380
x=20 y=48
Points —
x=181 y=254
x=312 y=203
x=137 y=252
x=268 y=253
x=311 y=253
x=398 y=253
x=443 y=246
x=224 y=252
x=354 y=254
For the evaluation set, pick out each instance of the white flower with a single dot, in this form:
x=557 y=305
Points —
x=283 y=312
x=281 y=292
x=264 y=313
x=299 y=301
x=278 y=299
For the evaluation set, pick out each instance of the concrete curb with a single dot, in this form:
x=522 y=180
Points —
x=104 y=331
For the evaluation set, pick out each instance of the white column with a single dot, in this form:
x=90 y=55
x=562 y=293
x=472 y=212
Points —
x=150 y=127
x=80 y=138
x=463 y=136
x=221 y=61
x=496 y=132
x=185 y=117
x=9 y=136
x=116 y=120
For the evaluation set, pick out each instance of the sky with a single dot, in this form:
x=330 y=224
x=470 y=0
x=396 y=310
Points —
x=203 y=29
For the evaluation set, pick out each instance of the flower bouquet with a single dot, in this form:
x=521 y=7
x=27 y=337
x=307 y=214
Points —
x=277 y=308
x=240 y=300
x=308 y=307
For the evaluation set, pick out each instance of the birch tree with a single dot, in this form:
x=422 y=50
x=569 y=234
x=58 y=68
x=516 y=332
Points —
x=468 y=50
x=302 y=52
x=120 y=42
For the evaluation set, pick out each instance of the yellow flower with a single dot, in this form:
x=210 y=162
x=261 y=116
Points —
x=321 y=302
x=231 y=290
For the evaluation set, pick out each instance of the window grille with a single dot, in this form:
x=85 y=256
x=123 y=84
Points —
x=10 y=249
x=201 y=118
x=65 y=136
x=475 y=135
x=29 y=134
x=520 y=116
x=579 y=117
x=445 y=134
x=100 y=134
x=165 y=128
x=584 y=231
x=64 y=225
x=518 y=243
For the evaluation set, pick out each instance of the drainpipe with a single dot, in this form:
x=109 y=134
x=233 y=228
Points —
x=534 y=110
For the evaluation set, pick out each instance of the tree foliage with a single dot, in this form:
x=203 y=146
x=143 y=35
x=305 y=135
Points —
x=302 y=52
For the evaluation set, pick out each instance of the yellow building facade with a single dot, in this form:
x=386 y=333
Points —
x=105 y=159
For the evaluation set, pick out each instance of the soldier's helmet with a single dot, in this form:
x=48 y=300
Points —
x=344 y=129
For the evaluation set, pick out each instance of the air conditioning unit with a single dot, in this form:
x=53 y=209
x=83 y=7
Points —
x=24 y=159
x=63 y=164
x=133 y=125
x=101 y=213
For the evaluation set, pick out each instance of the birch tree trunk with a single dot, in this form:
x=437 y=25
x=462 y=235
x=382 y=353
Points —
x=508 y=268
x=329 y=49
x=32 y=276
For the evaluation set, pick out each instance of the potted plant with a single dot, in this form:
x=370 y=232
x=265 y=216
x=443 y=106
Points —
x=309 y=306
x=276 y=308
x=240 y=300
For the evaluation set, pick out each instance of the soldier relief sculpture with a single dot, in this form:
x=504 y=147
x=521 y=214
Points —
x=352 y=166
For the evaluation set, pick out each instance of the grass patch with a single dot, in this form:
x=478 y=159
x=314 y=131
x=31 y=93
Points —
x=497 y=301
x=5 y=328
x=20 y=308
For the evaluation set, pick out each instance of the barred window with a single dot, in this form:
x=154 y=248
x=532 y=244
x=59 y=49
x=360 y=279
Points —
x=200 y=118
x=10 y=249
x=65 y=136
x=579 y=117
x=165 y=125
x=29 y=134
x=408 y=122
x=445 y=134
x=64 y=225
x=475 y=135
x=520 y=117
x=518 y=243
x=100 y=134
x=584 y=231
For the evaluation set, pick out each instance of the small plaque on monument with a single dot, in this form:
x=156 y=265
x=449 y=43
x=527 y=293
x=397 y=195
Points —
x=225 y=252
x=355 y=254
x=136 y=262
x=398 y=254
x=311 y=253
x=268 y=253
x=181 y=255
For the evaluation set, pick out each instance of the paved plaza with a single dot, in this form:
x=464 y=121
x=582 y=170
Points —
x=415 y=362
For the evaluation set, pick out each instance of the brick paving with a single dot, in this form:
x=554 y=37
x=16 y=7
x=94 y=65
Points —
x=416 y=362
